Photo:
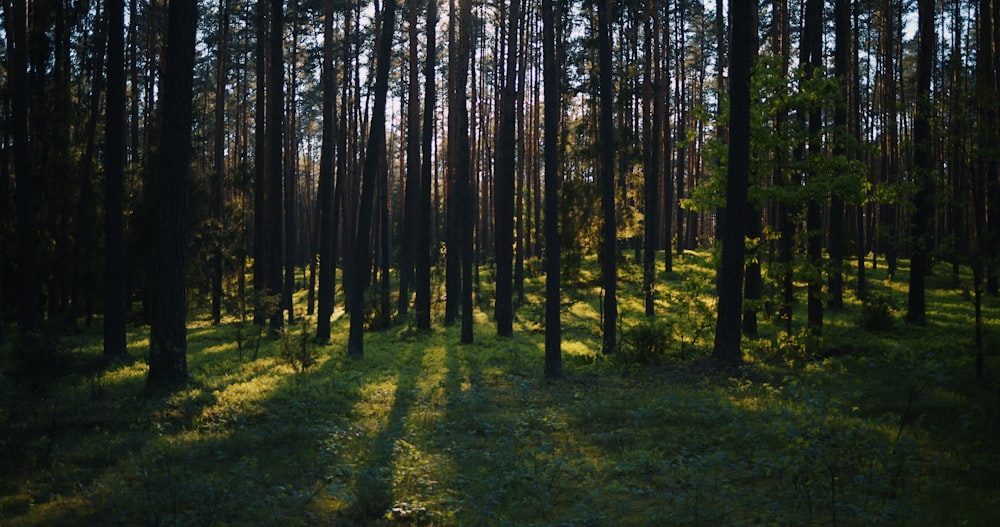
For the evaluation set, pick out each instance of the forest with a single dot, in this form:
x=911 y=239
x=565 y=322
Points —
x=531 y=262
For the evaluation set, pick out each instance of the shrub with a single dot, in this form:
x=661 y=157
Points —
x=877 y=312
x=648 y=342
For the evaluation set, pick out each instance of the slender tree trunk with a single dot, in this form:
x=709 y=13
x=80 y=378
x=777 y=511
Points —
x=742 y=53
x=361 y=272
x=24 y=193
x=609 y=260
x=114 y=187
x=503 y=193
x=408 y=225
x=653 y=108
x=260 y=242
x=167 y=332
x=466 y=210
x=327 y=260
x=812 y=36
x=550 y=62
x=422 y=301
x=275 y=137
x=290 y=179
x=222 y=71
x=920 y=225
x=841 y=66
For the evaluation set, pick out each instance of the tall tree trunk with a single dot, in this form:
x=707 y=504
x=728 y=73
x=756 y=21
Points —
x=361 y=271
x=167 y=332
x=812 y=36
x=408 y=224
x=275 y=136
x=842 y=31
x=290 y=179
x=653 y=148
x=24 y=193
x=222 y=71
x=422 y=271
x=114 y=187
x=327 y=261
x=466 y=212
x=923 y=206
x=503 y=193
x=453 y=261
x=609 y=260
x=742 y=53
x=260 y=215
x=550 y=62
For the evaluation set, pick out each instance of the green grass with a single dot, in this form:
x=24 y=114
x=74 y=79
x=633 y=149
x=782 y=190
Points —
x=887 y=427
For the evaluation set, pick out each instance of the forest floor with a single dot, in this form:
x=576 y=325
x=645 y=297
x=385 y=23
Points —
x=887 y=426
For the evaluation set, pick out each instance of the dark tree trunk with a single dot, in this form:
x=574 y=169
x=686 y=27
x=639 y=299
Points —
x=260 y=245
x=275 y=163
x=466 y=212
x=812 y=36
x=422 y=271
x=503 y=193
x=923 y=206
x=841 y=67
x=361 y=268
x=453 y=258
x=222 y=71
x=609 y=254
x=114 y=187
x=742 y=52
x=327 y=262
x=408 y=225
x=24 y=183
x=653 y=107
x=553 y=327
x=167 y=332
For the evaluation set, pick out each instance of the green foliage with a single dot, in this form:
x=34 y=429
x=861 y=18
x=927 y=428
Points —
x=877 y=312
x=649 y=342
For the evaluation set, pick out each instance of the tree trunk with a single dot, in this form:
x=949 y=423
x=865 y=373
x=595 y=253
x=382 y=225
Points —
x=812 y=36
x=422 y=271
x=361 y=272
x=24 y=193
x=553 y=327
x=466 y=210
x=327 y=261
x=114 y=185
x=222 y=71
x=260 y=245
x=408 y=224
x=923 y=205
x=742 y=52
x=653 y=148
x=503 y=193
x=609 y=266
x=275 y=136
x=167 y=332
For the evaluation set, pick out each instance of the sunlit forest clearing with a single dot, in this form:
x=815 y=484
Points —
x=886 y=426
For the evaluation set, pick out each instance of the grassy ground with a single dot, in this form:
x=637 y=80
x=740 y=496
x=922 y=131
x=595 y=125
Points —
x=886 y=427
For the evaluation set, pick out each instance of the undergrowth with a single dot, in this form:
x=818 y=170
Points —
x=864 y=425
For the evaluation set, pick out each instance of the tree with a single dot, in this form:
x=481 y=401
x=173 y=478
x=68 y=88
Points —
x=812 y=59
x=361 y=272
x=742 y=50
x=260 y=280
x=553 y=328
x=24 y=193
x=503 y=193
x=422 y=261
x=327 y=261
x=167 y=331
x=114 y=185
x=841 y=67
x=466 y=216
x=609 y=266
x=923 y=206
x=275 y=121
x=219 y=159
x=408 y=224
x=653 y=107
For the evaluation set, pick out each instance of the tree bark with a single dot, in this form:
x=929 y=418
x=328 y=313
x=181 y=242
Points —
x=609 y=262
x=114 y=187
x=923 y=206
x=361 y=272
x=275 y=137
x=553 y=327
x=327 y=261
x=422 y=271
x=167 y=332
x=503 y=193
x=742 y=52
